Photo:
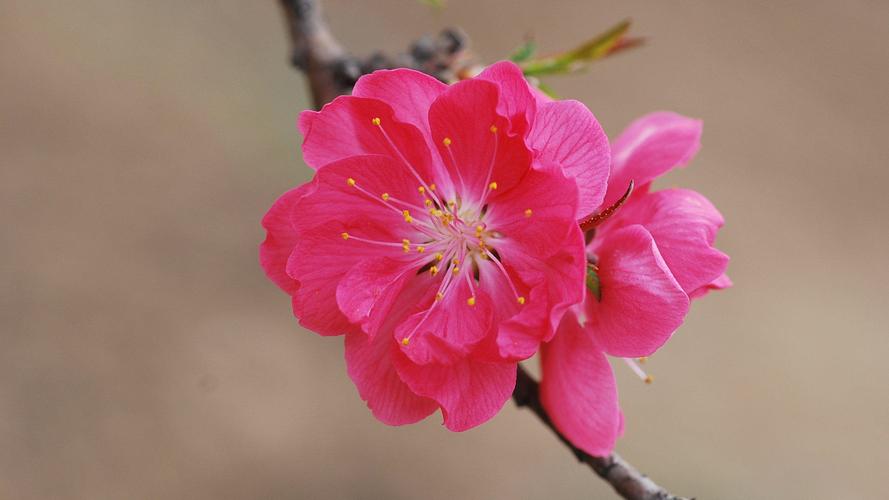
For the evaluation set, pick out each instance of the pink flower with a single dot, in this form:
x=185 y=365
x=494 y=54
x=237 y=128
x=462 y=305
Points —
x=651 y=258
x=439 y=235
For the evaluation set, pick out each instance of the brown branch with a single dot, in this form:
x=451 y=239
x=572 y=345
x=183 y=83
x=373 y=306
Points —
x=623 y=477
x=331 y=72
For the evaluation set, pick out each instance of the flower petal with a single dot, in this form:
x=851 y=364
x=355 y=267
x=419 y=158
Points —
x=461 y=120
x=567 y=135
x=642 y=303
x=346 y=127
x=322 y=257
x=408 y=92
x=516 y=99
x=719 y=283
x=367 y=293
x=369 y=362
x=578 y=389
x=281 y=238
x=469 y=392
x=442 y=331
x=684 y=225
x=650 y=147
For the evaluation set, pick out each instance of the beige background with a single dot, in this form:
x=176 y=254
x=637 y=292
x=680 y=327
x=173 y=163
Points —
x=144 y=355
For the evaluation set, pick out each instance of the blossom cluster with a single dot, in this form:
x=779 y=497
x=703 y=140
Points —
x=440 y=237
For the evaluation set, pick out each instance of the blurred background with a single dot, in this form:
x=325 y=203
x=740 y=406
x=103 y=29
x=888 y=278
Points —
x=143 y=354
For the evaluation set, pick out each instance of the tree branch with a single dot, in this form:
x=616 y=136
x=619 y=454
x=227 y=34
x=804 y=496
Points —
x=623 y=477
x=331 y=72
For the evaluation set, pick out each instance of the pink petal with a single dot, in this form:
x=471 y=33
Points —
x=345 y=128
x=280 y=238
x=410 y=93
x=369 y=362
x=578 y=389
x=464 y=115
x=450 y=329
x=567 y=135
x=543 y=251
x=469 y=392
x=322 y=257
x=517 y=102
x=367 y=293
x=719 y=283
x=650 y=147
x=684 y=225
x=642 y=303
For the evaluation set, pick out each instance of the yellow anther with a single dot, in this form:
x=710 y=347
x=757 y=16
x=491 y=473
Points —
x=436 y=212
x=375 y=121
x=421 y=189
x=470 y=301
x=345 y=236
x=520 y=300
x=493 y=129
x=439 y=256
x=479 y=228
x=428 y=202
x=385 y=196
x=405 y=212
x=407 y=216
x=452 y=203
x=405 y=341
x=485 y=257
x=409 y=219
x=439 y=296
x=493 y=186
x=455 y=261
x=649 y=379
x=446 y=141
x=455 y=269
x=350 y=181
x=433 y=270
x=406 y=242
x=642 y=359
x=432 y=187
x=421 y=249
x=528 y=212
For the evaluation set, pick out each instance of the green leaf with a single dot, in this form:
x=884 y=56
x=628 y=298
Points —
x=524 y=52
x=579 y=57
x=592 y=281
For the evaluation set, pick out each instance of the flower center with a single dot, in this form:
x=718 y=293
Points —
x=454 y=233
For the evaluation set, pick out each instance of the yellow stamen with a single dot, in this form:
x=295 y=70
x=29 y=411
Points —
x=432 y=187
x=405 y=341
x=455 y=261
x=642 y=359
x=471 y=301
x=493 y=186
x=528 y=212
x=375 y=121
x=493 y=129
x=439 y=256
x=421 y=249
x=409 y=219
x=421 y=189
x=433 y=270
x=345 y=236
x=455 y=269
x=479 y=228
x=446 y=141
x=649 y=379
x=428 y=202
x=439 y=296
x=350 y=181
x=385 y=196
x=520 y=300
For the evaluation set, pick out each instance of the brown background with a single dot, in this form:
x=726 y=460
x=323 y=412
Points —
x=144 y=355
